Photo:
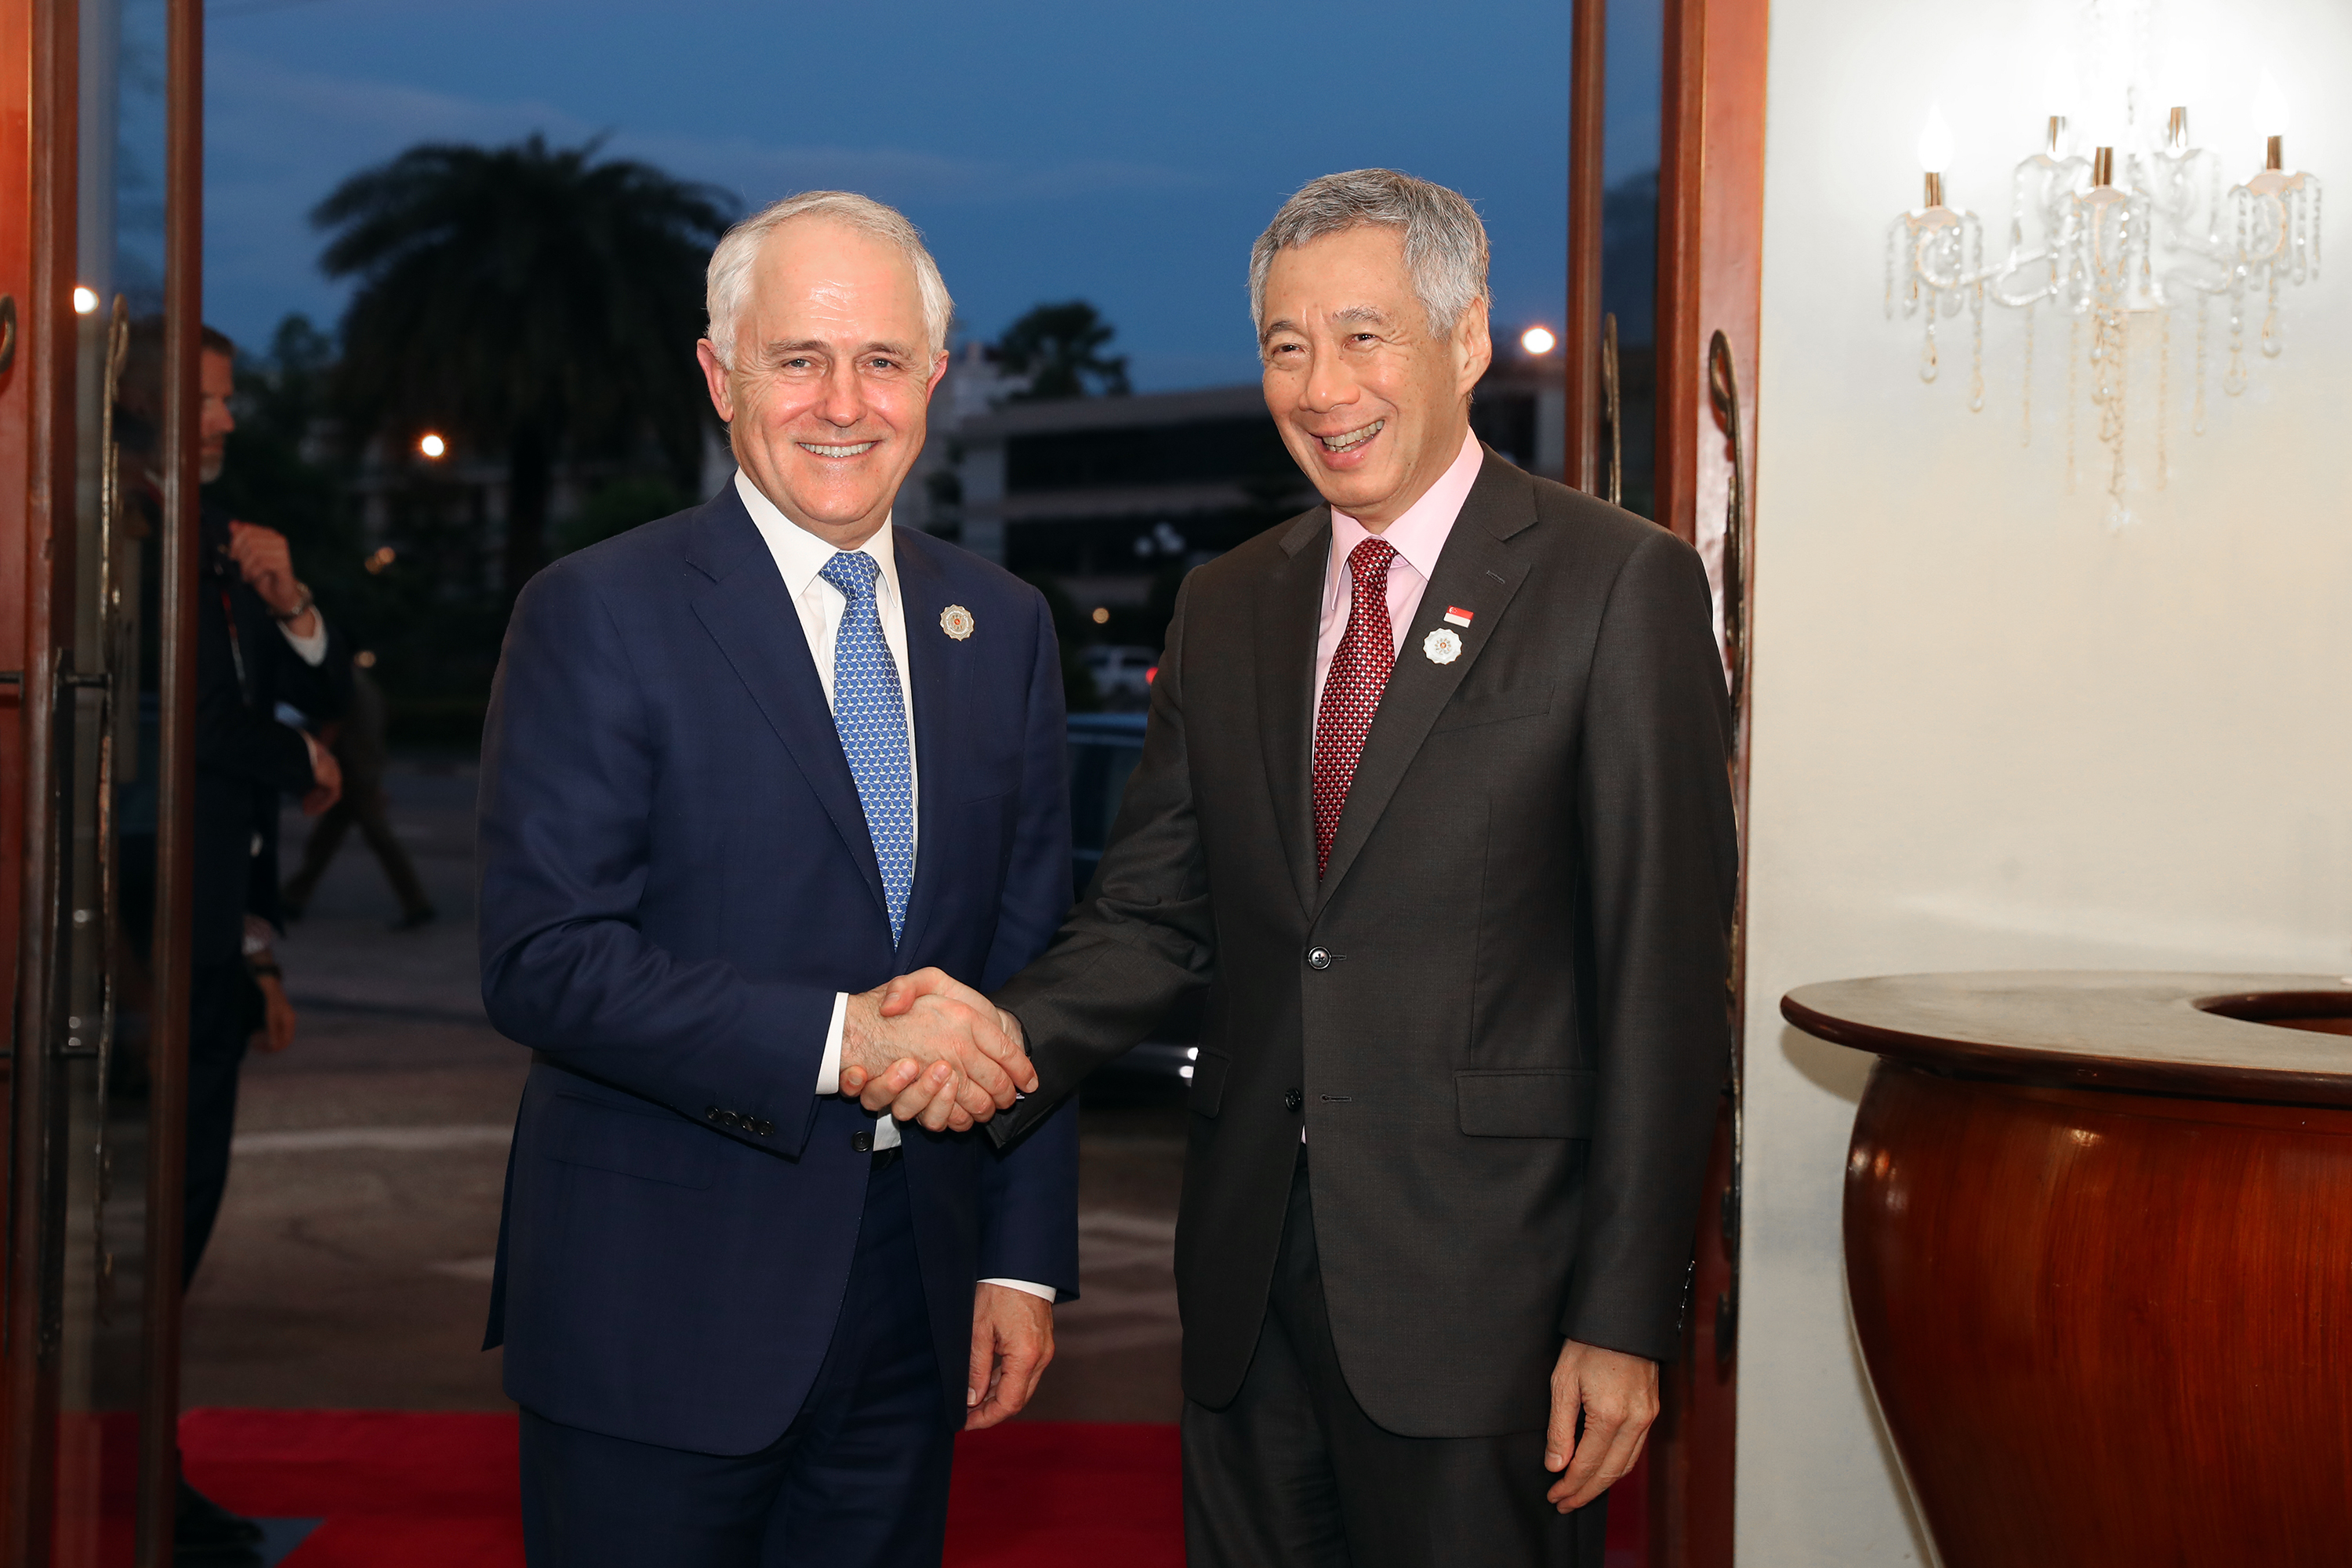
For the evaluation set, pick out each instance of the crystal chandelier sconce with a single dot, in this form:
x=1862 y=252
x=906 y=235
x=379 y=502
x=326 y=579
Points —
x=2115 y=244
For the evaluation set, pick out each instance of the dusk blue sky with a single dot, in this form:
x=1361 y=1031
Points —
x=1120 y=153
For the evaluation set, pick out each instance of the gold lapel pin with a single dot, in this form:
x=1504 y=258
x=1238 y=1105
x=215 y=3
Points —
x=956 y=621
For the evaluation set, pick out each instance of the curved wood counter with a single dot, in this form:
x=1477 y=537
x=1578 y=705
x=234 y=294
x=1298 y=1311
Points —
x=2098 y=1233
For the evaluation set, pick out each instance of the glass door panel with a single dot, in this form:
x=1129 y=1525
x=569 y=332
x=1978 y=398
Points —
x=1632 y=78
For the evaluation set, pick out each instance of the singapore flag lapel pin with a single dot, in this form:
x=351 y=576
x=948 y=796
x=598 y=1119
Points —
x=1455 y=616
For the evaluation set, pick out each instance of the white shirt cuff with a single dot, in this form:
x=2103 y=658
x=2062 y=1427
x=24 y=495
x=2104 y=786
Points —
x=1044 y=1292
x=828 y=1071
x=313 y=649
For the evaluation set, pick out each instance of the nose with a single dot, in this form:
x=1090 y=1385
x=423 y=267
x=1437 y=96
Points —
x=1328 y=385
x=843 y=401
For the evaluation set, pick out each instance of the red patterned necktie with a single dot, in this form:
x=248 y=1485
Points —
x=1351 y=691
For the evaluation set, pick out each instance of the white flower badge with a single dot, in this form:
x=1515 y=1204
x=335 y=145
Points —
x=1443 y=646
x=956 y=621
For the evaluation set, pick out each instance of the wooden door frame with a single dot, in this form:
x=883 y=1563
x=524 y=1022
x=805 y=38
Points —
x=1710 y=246
x=42 y=392
x=167 y=1051
x=40 y=177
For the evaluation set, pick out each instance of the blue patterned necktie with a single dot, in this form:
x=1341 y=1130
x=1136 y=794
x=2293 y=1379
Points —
x=871 y=716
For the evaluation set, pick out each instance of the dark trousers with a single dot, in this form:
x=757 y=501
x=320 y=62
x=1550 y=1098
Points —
x=363 y=803
x=221 y=1017
x=1293 y=1472
x=859 y=1480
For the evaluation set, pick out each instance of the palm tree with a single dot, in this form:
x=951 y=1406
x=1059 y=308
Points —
x=1059 y=348
x=529 y=301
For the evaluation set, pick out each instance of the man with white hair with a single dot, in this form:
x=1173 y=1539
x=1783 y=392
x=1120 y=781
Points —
x=1434 y=802
x=742 y=764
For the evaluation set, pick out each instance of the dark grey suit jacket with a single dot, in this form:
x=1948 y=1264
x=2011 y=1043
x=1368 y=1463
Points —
x=1500 y=1016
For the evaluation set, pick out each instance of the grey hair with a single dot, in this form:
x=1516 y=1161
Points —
x=730 y=277
x=1444 y=244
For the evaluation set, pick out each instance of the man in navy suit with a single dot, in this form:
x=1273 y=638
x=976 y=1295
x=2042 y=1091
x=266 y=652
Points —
x=743 y=765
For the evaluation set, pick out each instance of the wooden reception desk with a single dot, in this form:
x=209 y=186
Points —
x=2098 y=1237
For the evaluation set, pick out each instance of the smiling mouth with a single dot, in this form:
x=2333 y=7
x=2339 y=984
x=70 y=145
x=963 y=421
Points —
x=1348 y=441
x=855 y=449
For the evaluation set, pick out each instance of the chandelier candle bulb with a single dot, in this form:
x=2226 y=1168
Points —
x=2176 y=132
x=2103 y=166
x=2274 y=157
x=2056 y=143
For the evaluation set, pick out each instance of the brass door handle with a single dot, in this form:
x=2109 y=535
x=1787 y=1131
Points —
x=1612 y=412
x=1723 y=386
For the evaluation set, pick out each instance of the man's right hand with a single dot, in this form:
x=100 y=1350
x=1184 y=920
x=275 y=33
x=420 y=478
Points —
x=928 y=1050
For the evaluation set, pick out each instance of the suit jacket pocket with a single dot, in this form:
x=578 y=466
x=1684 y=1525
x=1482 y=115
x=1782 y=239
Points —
x=1524 y=1102
x=1209 y=1081
x=1494 y=707
x=653 y=1148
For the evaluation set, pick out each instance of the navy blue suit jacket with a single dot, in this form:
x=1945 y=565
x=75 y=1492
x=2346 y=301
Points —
x=676 y=879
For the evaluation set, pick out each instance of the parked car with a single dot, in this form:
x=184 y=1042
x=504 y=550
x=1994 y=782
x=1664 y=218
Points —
x=1104 y=749
x=1122 y=674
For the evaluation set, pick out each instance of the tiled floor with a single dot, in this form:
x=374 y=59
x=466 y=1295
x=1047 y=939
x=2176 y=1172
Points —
x=351 y=1266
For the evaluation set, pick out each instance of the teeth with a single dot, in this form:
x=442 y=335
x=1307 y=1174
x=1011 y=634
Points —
x=839 y=451
x=1351 y=438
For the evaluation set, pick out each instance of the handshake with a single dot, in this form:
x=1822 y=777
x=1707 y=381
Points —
x=928 y=1049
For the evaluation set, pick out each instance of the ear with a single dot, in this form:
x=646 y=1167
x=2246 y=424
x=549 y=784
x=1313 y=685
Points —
x=939 y=369
x=714 y=374
x=1474 y=349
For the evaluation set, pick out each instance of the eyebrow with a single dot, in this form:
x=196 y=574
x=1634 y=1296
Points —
x=1353 y=314
x=814 y=345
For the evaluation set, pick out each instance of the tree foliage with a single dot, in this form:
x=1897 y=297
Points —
x=1059 y=348
x=525 y=300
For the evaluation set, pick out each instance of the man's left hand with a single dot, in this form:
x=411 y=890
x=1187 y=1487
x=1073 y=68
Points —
x=1012 y=1342
x=1618 y=1394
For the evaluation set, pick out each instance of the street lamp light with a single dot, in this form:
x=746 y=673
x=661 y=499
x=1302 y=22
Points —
x=85 y=300
x=1537 y=340
x=432 y=446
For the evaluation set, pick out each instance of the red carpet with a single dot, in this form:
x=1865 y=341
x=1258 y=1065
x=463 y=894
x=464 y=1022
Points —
x=406 y=1488
x=400 y=1488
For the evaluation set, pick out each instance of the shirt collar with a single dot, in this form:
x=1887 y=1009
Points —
x=800 y=555
x=1420 y=533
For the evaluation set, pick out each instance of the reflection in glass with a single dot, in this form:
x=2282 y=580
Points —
x=1633 y=91
x=108 y=821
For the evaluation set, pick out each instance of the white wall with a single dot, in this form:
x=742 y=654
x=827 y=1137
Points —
x=1991 y=730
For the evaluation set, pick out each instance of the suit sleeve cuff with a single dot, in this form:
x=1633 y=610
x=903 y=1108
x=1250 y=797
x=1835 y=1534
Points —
x=828 y=1070
x=1045 y=1293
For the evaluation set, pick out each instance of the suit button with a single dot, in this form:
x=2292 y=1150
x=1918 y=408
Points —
x=716 y=1116
x=862 y=1142
x=1318 y=958
x=1293 y=1100
x=765 y=1129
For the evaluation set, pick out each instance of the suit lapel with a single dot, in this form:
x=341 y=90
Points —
x=1289 y=606
x=756 y=624
x=1479 y=570
x=940 y=675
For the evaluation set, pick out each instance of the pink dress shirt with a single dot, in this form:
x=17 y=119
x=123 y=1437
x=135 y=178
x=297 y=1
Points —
x=1419 y=536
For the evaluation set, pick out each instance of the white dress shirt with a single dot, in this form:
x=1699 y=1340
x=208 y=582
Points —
x=800 y=556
